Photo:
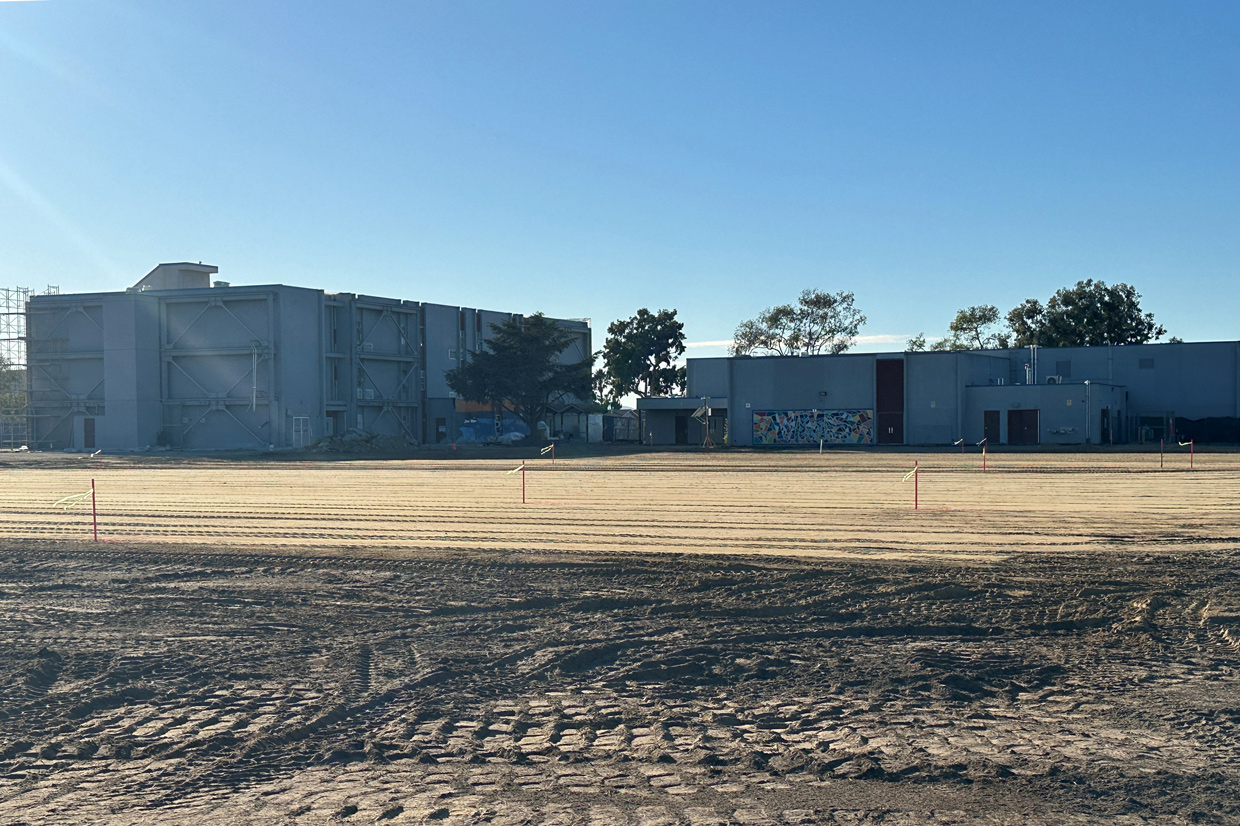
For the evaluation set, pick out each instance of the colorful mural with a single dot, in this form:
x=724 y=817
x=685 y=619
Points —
x=807 y=427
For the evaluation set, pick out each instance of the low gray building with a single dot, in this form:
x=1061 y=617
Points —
x=182 y=360
x=1029 y=396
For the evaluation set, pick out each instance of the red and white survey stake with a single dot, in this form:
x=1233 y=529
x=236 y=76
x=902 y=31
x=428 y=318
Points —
x=1189 y=445
x=78 y=498
x=549 y=449
x=913 y=474
x=522 y=469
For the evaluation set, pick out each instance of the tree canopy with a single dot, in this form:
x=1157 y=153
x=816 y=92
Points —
x=12 y=387
x=819 y=322
x=520 y=370
x=973 y=328
x=1088 y=314
x=639 y=357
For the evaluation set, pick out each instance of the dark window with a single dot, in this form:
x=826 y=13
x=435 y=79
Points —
x=1063 y=368
x=478 y=322
x=1147 y=364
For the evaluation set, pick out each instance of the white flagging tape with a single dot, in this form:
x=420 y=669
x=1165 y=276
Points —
x=515 y=469
x=71 y=501
x=547 y=450
x=909 y=475
x=1185 y=444
x=958 y=442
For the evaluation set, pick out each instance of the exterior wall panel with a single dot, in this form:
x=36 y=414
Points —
x=178 y=365
x=948 y=394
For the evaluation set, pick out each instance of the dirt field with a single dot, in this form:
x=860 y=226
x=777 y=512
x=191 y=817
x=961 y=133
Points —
x=664 y=639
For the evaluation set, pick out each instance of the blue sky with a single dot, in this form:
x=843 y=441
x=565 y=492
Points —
x=588 y=159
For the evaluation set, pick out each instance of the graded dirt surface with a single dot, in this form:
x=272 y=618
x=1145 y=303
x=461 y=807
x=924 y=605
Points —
x=851 y=503
x=402 y=643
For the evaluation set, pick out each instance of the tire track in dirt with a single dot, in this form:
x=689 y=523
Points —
x=231 y=687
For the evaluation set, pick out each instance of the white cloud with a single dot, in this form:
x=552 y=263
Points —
x=725 y=343
x=882 y=338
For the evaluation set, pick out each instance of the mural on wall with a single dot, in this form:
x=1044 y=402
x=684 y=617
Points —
x=807 y=427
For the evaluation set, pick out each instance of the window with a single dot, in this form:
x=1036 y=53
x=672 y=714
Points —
x=1063 y=368
x=1146 y=364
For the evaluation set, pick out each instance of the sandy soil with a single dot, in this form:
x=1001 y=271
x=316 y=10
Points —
x=405 y=643
x=846 y=503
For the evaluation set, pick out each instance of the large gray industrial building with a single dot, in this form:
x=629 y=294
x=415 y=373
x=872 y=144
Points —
x=184 y=361
x=1063 y=396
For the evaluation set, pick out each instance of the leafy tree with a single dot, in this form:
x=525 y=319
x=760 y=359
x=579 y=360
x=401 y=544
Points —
x=639 y=357
x=1090 y=313
x=819 y=322
x=12 y=387
x=973 y=328
x=1026 y=320
x=12 y=397
x=520 y=370
x=916 y=344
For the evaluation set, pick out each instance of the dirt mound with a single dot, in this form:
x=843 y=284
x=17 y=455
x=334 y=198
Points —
x=361 y=441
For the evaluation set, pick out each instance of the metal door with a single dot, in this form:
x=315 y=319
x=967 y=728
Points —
x=990 y=424
x=889 y=400
x=682 y=429
x=1023 y=427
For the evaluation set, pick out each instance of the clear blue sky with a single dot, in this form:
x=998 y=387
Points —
x=587 y=159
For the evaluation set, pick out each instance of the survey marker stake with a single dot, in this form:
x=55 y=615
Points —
x=76 y=499
x=913 y=474
x=961 y=443
x=1189 y=445
x=549 y=449
x=522 y=469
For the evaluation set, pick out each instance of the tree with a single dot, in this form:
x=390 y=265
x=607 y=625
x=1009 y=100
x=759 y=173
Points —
x=1026 y=320
x=973 y=328
x=819 y=322
x=520 y=370
x=916 y=344
x=12 y=387
x=639 y=357
x=1090 y=313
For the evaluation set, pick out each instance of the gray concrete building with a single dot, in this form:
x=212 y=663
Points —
x=1030 y=396
x=186 y=361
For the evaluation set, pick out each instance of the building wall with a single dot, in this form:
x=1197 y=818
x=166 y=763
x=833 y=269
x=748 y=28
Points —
x=178 y=366
x=946 y=394
x=844 y=382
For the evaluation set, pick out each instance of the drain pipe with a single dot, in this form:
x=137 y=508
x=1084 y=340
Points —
x=254 y=375
x=1087 y=415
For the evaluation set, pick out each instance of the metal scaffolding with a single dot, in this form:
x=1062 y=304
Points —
x=14 y=396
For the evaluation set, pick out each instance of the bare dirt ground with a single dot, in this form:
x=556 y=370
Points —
x=406 y=643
